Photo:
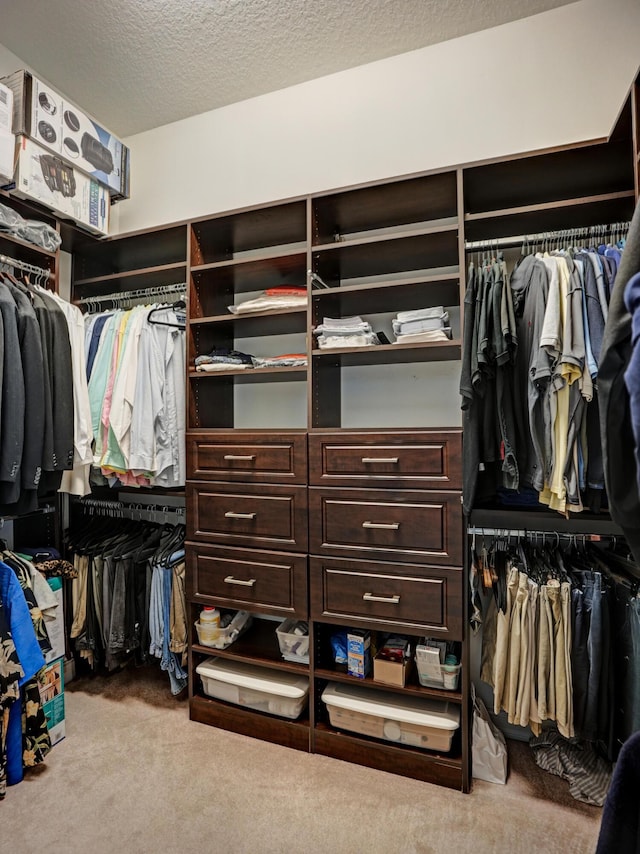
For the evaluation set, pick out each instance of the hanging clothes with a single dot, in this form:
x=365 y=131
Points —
x=136 y=365
x=129 y=599
x=531 y=346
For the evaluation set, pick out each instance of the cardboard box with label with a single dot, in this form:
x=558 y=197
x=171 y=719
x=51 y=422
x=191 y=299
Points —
x=51 y=682
x=7 y=139
x=55 y=627
x=358 y=653
x=46 y=178
x=42 y=114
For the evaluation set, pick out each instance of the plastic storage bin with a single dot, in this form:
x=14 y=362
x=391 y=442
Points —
x=225 y=636
x=428 y=724
x=434 y=675
x=282 y=694
x=293 y=647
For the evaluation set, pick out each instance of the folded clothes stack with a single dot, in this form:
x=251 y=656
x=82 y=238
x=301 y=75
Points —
x=281 y=296
x=224 y=359
x=287 y=360
x=344 y=332
x=422 y=325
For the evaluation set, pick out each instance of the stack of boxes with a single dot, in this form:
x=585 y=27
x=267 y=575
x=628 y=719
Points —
x=62 y=158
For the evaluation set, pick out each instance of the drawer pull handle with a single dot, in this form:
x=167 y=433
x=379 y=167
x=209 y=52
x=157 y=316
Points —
x=230 y=514
x=380 y=459
x=243 y=457
x=383 y=526
x=231 y=580
x=392 y=600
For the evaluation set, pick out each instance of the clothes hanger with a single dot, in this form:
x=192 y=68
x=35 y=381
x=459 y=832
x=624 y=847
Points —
x=178 y=304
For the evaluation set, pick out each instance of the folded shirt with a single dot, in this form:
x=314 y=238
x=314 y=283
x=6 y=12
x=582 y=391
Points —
x=288 y=360
x=403 y=327
x=211 y=367
x=327 y=342
x=266 y=303
x=224 y=356
x=425 y=337
x=343 y=326
x=420 y=313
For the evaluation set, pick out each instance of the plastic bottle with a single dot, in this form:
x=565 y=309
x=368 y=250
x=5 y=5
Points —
x=209 y=625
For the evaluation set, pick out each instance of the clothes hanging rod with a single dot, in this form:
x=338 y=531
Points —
x=155 y=291
x=564 y=233
x=25 y=267
x=552 y=536
x=120 y=508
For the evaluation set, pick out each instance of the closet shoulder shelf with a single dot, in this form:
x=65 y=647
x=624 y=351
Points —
x=154 y=274
x=392 y=353
x=253 y=258
x=386 y=235
x=580 y=201
x=34 y=251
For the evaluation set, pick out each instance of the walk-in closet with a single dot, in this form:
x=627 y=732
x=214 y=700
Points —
x=320 y=427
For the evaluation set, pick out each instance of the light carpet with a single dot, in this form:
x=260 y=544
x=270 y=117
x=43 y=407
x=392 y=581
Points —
x=135 y=775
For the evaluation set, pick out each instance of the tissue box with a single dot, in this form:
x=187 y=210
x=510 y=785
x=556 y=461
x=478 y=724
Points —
x=47 y=179
x=358 y=653
x=42 y=114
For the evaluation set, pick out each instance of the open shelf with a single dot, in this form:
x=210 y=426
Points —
x=385 y=205
x=259 y=645
x=413 y=688
x=161 y=274
x=369 y=239
x=384 y=354
x=544 y=520
x=27 y=251
x=440 y=768
x=294 y=734
x=252 y=374
x=258 y=261
x=143 y=253
x=276 y=321
x=576 y=212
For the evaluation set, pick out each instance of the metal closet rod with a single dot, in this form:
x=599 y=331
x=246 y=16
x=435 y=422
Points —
x=107 y=505
x=553 y=536
x=155 y=291
x=24 y=266
x=586 y=231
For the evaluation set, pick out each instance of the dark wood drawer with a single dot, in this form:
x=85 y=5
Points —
x=249 y=579
x=248 y=515
x=423 y=459
x=264 y=457
x=396 y=595
x=422 y=527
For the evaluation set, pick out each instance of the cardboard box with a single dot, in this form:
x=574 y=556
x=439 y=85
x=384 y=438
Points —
x=358 y=653
x=42 y=114
x=55 y=627
x=45 y=178
x=51 y=681
x=7 y=139
x=391 y=672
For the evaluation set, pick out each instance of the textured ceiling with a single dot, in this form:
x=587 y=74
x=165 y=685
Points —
x=138 y=64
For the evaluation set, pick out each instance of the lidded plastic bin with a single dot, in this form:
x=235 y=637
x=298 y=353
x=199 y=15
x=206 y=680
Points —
x=416 y=722
x=255 y=687
x=293 y=645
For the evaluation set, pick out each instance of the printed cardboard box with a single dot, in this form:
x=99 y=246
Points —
x=42 y=114
x=51 y=683
x=47 y=179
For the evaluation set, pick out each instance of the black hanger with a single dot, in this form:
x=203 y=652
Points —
x=178 y=304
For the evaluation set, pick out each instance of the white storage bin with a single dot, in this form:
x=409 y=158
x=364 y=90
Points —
x=428 y=724
x=282 y=694
x=293 y=647
x=443 y=676
x=225 y=637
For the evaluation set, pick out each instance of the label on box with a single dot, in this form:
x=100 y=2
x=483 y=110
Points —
x=48 y=179
x=55 y=627
x=6 y=110
x=51 y=683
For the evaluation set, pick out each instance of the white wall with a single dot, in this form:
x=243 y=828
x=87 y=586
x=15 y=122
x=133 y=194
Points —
x=555 y=78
